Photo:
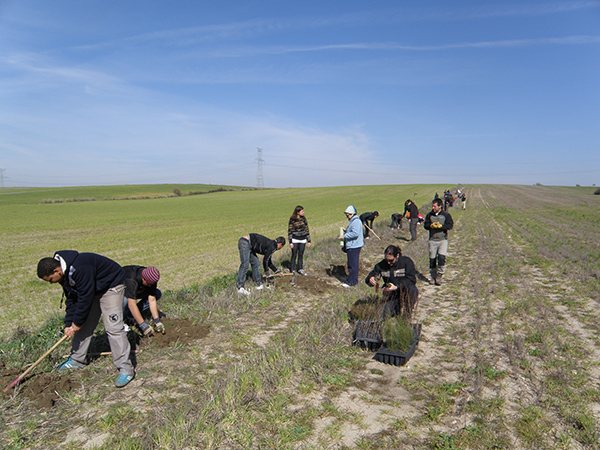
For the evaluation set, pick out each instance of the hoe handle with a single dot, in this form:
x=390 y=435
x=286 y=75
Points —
x=33 y=366
x=371 y=230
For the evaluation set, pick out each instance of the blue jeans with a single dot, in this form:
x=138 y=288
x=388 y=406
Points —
x=247 y=258
x=352 y=258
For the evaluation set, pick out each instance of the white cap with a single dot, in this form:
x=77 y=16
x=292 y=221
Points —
x=350 y=210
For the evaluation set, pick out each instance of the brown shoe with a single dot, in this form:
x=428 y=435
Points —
x=438 y=280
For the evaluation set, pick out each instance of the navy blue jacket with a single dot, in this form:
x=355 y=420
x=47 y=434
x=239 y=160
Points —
x=86 y=275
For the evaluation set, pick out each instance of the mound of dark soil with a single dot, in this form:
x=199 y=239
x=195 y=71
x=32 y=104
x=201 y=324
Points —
x=179 y=332
x=45 y=388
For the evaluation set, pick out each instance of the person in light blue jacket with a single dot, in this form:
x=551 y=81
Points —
x=353 y=237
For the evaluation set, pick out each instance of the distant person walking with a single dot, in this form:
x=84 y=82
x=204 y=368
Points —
x=438 y=223
x=448 y=200
x=299 y=238
x=93 y=286
x=367 y=220
x=412 y=213
x=249 y=247
x=463 y=200
x=353 y=237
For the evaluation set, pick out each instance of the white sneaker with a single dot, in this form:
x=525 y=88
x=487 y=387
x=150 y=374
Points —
x=345 y=285
x=243 y=291
x=260 y=288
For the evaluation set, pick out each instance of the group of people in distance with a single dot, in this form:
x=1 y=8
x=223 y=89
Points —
x=94 y=285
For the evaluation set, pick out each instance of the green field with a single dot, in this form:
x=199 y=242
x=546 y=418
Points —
x=190 y=238
x=508 y=356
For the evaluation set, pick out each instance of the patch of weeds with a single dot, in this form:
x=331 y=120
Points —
x=332 y=410
x=534 y=352
x=219 y=284
x=485 y=407
x=533 y=426
x=337 y=380
x=240 y=342
x=584 y=428
x=17 y=439
x=16 y=350
x=441 y=400
x=399 y=424
x=493 y=374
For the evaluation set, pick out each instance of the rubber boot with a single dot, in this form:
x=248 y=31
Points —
x=433 y=275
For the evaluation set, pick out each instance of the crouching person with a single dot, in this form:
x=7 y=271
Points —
x=399 y=277
x=93 y=285
x=141 y=284
x=250 y=246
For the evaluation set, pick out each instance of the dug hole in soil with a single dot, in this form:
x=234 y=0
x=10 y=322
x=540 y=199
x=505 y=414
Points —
x=44 y=389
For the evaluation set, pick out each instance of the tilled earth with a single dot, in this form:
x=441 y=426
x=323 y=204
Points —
x=44 y=389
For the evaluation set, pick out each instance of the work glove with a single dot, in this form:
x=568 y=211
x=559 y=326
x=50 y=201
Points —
x=146 y=329
x=159 y=326
x=436 y=225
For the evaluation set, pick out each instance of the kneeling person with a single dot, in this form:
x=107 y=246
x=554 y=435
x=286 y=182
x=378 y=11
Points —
x=140 y=284
x=399 y=275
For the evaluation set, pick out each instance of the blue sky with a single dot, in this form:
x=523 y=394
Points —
x=334 y=92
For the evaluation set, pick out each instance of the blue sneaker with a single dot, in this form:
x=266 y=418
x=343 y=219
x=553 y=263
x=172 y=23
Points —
x=69 y=364
x=123 y=380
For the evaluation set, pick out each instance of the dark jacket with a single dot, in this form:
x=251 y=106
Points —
x=86 y=276
x=298 y=229
x=412 y=210
x=262 y=245
x=368 y=217
x=134 y=285
x=402 y=273
x=438 y=234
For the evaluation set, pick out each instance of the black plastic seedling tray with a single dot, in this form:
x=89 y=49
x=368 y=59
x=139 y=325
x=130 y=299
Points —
x=387 y=356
